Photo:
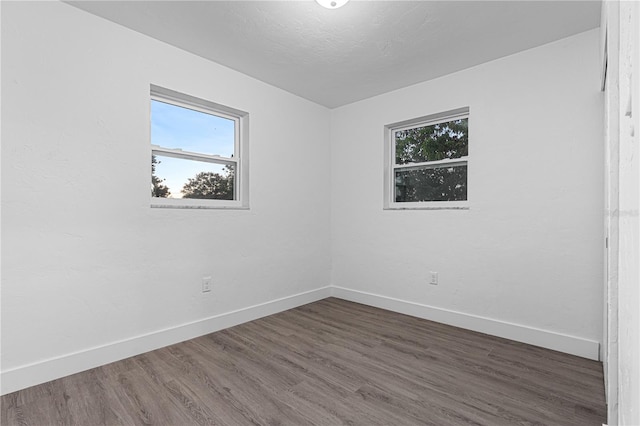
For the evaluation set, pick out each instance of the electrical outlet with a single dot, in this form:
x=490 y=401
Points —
x=207 y=283
x=434 y=278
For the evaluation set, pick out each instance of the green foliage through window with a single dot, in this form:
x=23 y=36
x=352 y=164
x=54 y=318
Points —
x=210 y=185
x=432 y=184
x=431 y=143
x=158 y=189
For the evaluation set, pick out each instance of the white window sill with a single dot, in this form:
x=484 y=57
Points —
x=184 y=203
x=430 y=205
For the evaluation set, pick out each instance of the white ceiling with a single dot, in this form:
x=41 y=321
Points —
x=335 y=57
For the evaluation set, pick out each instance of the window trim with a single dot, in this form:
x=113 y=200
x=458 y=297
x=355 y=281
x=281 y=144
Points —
x=240 y=160
x=390 y=165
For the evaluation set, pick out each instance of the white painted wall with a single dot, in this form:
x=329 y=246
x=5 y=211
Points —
x=622 y=223
x=527 y=255
x=86 y=262
x=610 y=47
x=628 y=272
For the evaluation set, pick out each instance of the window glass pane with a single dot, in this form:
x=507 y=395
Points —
x=181 y=178
x=182 y=128
x=430 y=143
x=431 y=184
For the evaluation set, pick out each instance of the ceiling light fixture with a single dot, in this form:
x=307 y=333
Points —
x=332 y=4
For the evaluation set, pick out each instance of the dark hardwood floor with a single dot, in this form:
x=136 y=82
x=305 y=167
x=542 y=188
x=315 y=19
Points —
x=331 y=362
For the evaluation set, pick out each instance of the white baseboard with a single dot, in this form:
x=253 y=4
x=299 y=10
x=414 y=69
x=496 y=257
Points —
x=43 y=371
x=547 y=339
x=54 y=368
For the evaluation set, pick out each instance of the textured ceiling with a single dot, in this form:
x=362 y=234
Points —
x=335 y=57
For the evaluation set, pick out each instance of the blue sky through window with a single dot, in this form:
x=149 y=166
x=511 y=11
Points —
x=194 y=131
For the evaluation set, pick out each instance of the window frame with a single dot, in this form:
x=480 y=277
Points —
x=239 y=161
x=390 y=166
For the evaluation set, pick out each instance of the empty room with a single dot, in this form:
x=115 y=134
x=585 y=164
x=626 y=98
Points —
x=320 y=212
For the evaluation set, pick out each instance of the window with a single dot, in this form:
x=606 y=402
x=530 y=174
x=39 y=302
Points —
x=426 y=161
x=198 y=152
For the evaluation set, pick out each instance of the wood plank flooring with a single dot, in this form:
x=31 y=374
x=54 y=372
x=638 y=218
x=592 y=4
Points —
x=331 y=362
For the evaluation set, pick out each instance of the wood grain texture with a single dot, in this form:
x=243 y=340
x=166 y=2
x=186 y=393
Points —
x=330 y=362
